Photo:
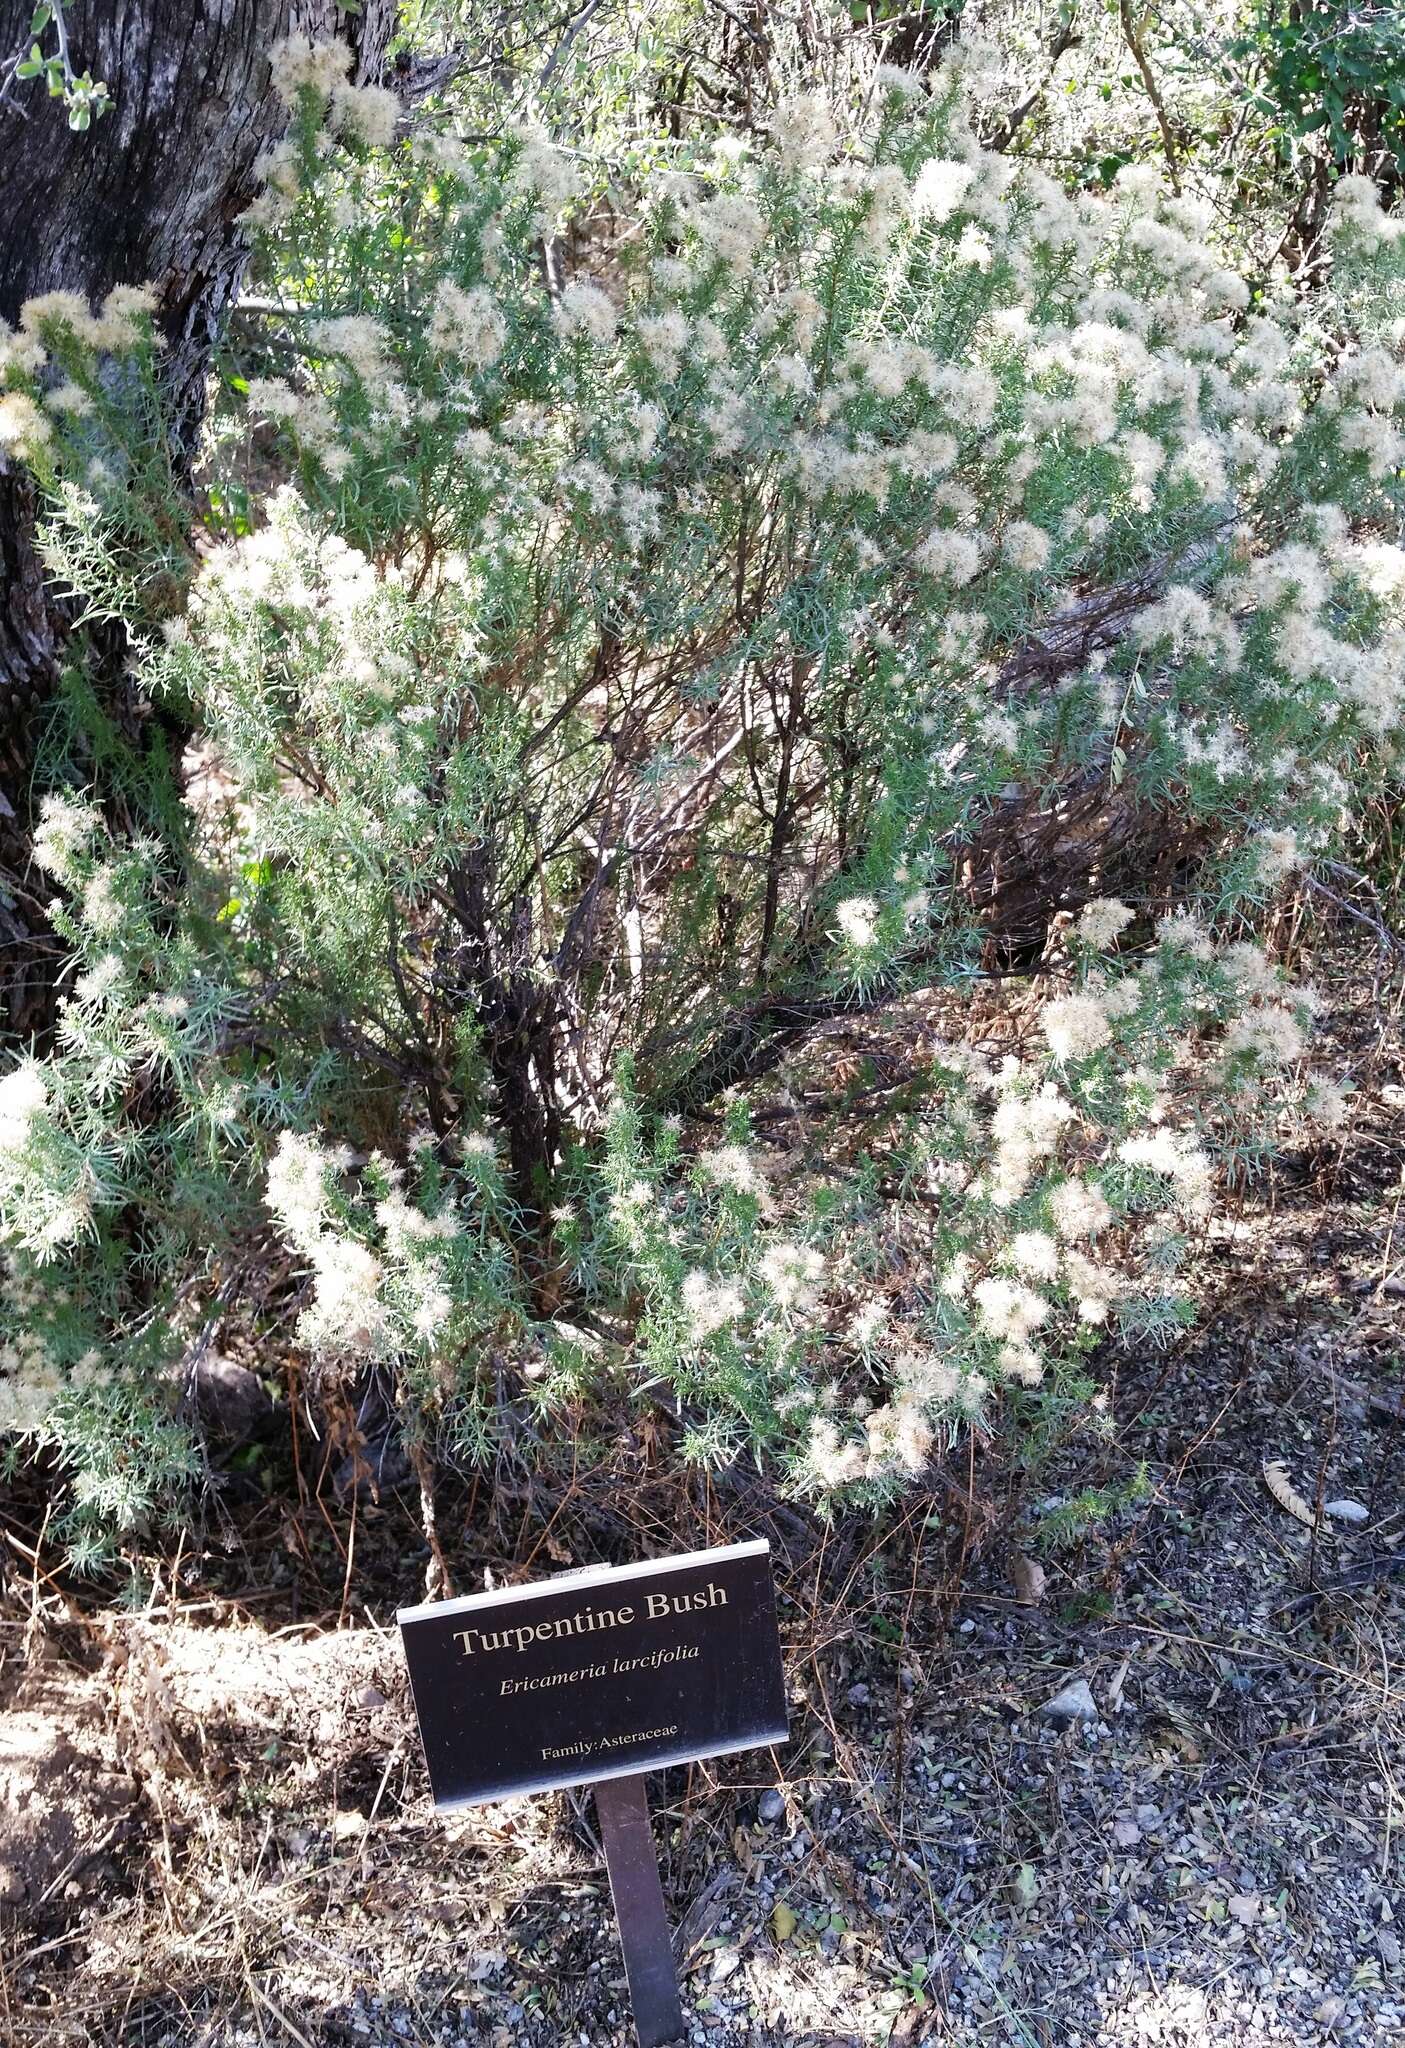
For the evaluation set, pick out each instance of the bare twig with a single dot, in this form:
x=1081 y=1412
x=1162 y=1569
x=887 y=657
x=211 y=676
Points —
x=1153 y=90
x=1065 y=39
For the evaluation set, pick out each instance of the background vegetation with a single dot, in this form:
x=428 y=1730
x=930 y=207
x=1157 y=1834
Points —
x=708 y=525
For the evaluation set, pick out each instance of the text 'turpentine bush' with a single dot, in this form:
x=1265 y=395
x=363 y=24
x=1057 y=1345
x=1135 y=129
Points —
x=678 y=588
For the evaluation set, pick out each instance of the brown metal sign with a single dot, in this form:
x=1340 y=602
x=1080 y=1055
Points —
x=597 y=1674
x=592 y=1678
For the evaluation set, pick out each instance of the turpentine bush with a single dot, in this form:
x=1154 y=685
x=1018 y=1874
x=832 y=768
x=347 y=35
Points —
x=706 y=597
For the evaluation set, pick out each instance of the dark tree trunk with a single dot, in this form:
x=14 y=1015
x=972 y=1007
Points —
x=150 y=194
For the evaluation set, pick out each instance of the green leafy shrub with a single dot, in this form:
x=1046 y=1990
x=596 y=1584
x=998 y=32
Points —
x=1332 y=70
x=689 y=622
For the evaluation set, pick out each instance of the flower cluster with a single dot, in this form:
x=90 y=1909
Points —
x=391 y=1279
x=1058 y=1185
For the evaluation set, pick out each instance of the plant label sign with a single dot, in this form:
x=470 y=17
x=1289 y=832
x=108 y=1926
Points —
x=593 y=1678
x=597 y=1674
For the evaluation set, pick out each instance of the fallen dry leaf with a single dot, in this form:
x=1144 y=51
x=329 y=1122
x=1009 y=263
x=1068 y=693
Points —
x=1286 y=1494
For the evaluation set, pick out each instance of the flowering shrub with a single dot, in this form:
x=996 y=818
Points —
x=681 y=626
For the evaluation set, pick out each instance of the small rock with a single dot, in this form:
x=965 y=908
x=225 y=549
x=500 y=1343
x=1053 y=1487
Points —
x=1126 y=1834
x=770 y=1807
x=12 y=1885
x=369 y=1698
x=1346 y=1511
x=1389 y=1948
x=1330 y=2011
x=1074 y=1703
x=858 y=1695
x=1245 y=1908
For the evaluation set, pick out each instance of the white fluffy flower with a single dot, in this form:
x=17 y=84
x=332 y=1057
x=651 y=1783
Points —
x=857 y=918
x=732 y=1166
x=467 y=324
x=1007 y=1309
x=1278 y=852
x=950 y=556
x=1101 y=921
x=366 y=113
x=66 y=829
x=1025 y=546
x=803 y=133
x=296 y=1187
x=1035 y=1254
x=24 y=431
x=1270 y=1033
x=347 y=1312
x=1074 y=1026
x=585 y=312
x=99 y=982
x=1093 y=1288
x=792 y=1272
x=711 y=1304
x=300 y=64
x=939 y=188
x=731 y=228
x=24 y=1097
x=540 y=172
x=1079 y=1208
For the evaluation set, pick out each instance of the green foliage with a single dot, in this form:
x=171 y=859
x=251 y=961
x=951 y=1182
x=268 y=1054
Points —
x=85 y=99
x=1334 y=68
x=670 y=623
x=1068 y=1522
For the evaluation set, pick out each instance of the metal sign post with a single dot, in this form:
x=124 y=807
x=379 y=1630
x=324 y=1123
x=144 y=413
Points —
x=630 y=1858
x=592 y=1679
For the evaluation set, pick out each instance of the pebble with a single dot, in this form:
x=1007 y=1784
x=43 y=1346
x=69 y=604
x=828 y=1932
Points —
x=1074 y=1703
x=770 y=1806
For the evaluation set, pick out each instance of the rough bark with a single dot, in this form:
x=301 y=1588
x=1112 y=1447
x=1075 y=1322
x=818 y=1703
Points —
x=150 y=194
